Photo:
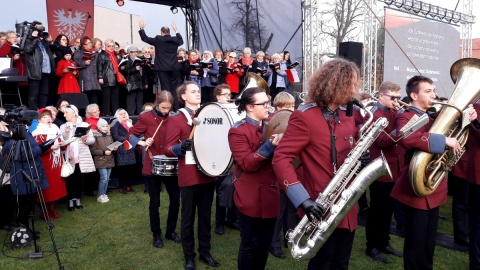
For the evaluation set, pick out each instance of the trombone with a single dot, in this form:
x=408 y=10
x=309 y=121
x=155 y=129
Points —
x=401 y=105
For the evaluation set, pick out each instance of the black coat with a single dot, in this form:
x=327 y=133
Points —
x=122 y=156
x=34 y=58
x=165 y=50
x=105 y=70
x=88 y=79
x=136 y=78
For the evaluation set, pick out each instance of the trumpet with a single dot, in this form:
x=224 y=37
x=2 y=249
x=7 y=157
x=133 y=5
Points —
x=400 y=106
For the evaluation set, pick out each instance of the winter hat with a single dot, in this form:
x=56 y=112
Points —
x=101 y=122
x=64 y=50
x=132 y=49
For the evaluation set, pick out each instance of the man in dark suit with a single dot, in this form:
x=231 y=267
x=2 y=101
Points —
x=165 y=62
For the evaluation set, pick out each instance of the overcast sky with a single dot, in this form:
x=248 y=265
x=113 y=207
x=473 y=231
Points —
x=153 y=14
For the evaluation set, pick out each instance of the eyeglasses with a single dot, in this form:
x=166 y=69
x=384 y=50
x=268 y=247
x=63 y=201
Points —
x=393 y=97
x=63 y=39
x=265 y=104
x=109 y=46
x=226 y=95
x=87 y=43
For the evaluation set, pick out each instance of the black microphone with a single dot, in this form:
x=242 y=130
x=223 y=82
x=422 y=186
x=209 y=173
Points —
x=350 y=108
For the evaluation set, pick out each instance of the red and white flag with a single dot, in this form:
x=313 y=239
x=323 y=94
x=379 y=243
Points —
x=127 y=145
x=292 y=75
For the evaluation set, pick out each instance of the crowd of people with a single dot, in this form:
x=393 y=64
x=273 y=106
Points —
x=270 y=194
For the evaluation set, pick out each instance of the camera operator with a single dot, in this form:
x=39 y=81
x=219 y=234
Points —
x=6 y=196
x=40 y=65
x=23 y=159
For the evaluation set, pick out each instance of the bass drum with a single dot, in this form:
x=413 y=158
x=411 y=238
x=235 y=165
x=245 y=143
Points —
x=210 y=140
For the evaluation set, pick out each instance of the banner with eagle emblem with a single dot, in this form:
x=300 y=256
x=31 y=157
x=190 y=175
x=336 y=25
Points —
x=70 y=18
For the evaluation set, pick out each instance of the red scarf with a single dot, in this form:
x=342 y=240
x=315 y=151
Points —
x=192 y=61
x=114 y=61
x=247 y=61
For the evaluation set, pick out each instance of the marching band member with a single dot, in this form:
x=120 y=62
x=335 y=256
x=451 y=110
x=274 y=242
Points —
x=322 y=135
x=421 y=213
x=223 y=216
x=473 y=177
x=147 y=124
x=379 y=215
x=196 y=188
x=257 y=195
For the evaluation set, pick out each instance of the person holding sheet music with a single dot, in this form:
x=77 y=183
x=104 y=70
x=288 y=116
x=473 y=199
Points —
x=68 y=71
x=107 y=70
x=234 y=73
x=210 y=69
x=131 y=68
x=86 y=58
x=277 y=77
x=125 y=157
x=78 y=154
x=260 y=66
x=246 y=64
x=192 y=68
x=222 y=65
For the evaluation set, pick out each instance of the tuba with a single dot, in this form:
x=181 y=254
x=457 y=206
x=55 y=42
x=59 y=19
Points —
x=255 y=81
x=340 y=195
x=427 y=170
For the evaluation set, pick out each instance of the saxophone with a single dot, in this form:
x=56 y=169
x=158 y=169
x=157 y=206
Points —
x=341 y=194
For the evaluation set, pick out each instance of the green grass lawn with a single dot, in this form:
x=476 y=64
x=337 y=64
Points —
x=116 y=235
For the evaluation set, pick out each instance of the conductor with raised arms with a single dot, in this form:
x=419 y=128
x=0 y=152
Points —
x=165 y=63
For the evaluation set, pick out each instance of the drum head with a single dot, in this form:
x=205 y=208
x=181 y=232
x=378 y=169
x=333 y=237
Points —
x=210 y=141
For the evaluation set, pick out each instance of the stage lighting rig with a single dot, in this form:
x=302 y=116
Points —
x=174 y=9
x=120 y=3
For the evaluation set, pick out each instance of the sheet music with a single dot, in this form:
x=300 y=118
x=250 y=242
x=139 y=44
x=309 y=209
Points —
x=5 y=62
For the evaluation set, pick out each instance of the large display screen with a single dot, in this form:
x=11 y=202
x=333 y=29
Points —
x=431 y=46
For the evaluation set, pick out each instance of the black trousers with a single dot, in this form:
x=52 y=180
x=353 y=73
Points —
x=93 y=96
x=255 y=238
x=420 y=235
x=7 y=201
x=474 y=219
x=74 y=184
x=379 y=215
x=285 y=221
x=110 y=99
x=223 y=214
x=207 y=94
x=125 y=175
x=135 y=102
x=335 y=253
x=24 y=207
x=154 y=184
x=459 y=191
x=274 y=91
x=170 y=80
x=38 y=92
x=196 y=198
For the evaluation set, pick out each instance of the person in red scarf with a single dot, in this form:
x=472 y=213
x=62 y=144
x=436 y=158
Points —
x=88 y=79
x=107 y=70
x=192 y=69
x=246 y=63
x=233 y=74
x=67 y=69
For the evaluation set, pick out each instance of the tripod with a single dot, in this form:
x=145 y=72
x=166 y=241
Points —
x=21 y=162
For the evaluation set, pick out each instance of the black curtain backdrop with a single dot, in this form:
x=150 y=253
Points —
x=231 y=25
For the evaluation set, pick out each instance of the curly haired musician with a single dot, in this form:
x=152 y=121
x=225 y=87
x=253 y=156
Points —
x=379 y=215
x=147 y=125
x=196 y=188
x=322 y=135
x=421 y=213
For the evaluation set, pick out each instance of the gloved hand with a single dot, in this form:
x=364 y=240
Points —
x=365 y=159
x=312 y=209
x=186 y=145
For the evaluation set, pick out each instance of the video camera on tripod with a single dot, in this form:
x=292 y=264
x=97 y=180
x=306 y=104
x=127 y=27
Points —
x=16 y=118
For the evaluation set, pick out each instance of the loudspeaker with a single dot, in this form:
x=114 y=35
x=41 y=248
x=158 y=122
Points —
x=351 y=51
x=80 y=100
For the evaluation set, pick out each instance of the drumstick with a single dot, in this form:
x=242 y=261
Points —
x=155 y=134
x=195 y=123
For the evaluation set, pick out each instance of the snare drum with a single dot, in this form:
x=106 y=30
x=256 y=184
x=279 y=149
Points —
x=210 y=141
x=164 y=166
